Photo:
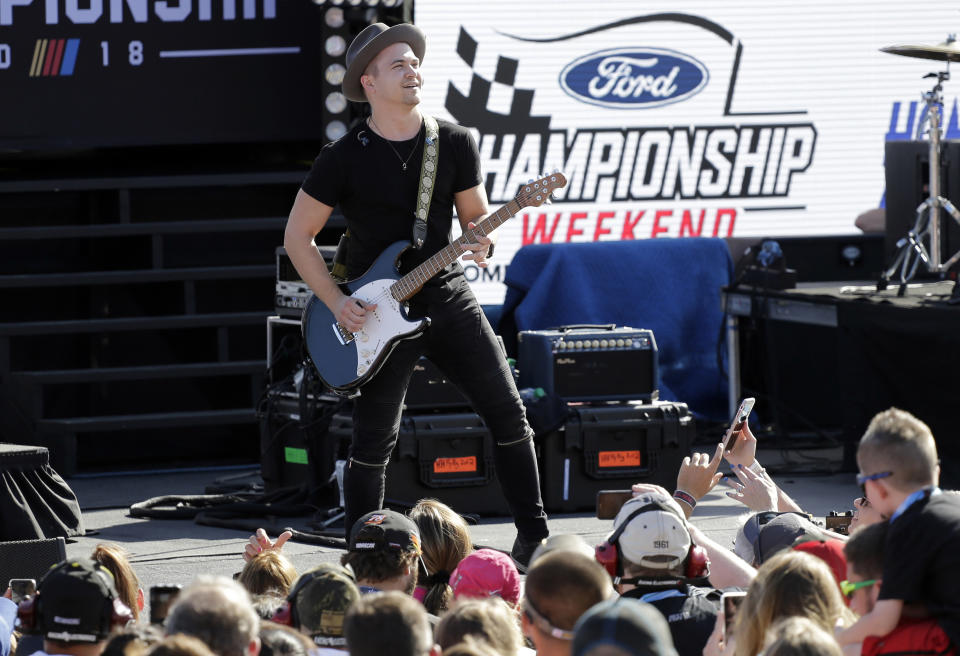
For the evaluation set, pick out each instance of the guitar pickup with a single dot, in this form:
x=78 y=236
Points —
x=344 y=335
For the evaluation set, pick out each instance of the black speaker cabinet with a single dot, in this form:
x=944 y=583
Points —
x=908 y=177
x=30 y=559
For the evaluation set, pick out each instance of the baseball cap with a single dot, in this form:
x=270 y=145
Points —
x=766 y=533
x=77 y=601
x=322 y=596
x=828 y=550
x=628 y=624
x=381 y=530
x=486 y=573
x=657 y=538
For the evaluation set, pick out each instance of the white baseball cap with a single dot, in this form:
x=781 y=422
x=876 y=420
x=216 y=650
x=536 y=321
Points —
x=656 y=538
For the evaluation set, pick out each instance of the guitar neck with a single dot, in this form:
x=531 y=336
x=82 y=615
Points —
x=414 y=281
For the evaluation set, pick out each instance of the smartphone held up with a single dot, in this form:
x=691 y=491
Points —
x=22 y=589
x=610 y=501
x=161 y=598
x=739 y=421
x=730 y=603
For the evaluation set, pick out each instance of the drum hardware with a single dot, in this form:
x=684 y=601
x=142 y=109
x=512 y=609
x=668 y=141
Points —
x=923 y=241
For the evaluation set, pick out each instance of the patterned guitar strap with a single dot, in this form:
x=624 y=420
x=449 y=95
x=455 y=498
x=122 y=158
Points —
x=428 y=175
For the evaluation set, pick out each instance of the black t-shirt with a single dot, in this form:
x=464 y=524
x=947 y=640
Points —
x=378 y=198
x=691 y=613
x=921 y=563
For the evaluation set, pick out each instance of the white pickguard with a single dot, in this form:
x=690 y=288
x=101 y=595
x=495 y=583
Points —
x=382 y=325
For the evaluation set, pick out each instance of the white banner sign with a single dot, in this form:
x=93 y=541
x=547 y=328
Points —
x=745 y=119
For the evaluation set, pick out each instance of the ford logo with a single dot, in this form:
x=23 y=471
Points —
x=633 y=78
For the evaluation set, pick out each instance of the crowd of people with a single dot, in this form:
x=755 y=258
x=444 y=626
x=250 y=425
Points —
x=414 y=584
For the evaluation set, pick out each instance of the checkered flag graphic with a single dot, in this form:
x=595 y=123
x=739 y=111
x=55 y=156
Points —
x=472 y=110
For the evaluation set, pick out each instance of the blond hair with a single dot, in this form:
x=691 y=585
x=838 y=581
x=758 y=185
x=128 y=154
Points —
x=117 y=561
x=445 y=540
x=898 y=442
x=799 y=636
x=268 y=571
x=491 y=621
x=791 y=584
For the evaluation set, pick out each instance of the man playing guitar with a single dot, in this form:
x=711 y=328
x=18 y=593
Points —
x=373 y=173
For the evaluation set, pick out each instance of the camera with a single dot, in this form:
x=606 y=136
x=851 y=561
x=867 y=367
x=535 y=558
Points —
x=838 y=521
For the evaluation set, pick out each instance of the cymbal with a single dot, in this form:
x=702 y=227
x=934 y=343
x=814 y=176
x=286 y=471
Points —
x=946 y=51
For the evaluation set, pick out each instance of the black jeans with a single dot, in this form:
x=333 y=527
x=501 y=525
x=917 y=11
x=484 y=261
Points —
x=462 y=344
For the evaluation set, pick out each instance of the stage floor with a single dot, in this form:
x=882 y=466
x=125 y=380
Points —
x=174 y=551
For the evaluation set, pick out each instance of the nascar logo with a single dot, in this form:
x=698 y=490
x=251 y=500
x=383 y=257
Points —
x=54 y=57
x=628 y=78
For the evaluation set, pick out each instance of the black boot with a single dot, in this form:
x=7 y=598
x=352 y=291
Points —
x=363 y=487
x=516 y=466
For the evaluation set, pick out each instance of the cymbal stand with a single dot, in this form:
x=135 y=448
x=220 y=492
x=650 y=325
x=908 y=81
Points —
x=923 y=241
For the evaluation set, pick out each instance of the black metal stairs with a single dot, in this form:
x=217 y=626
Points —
x=133 y=316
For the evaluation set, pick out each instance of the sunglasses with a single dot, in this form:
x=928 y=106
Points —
x=863 y=478
x=848 y=588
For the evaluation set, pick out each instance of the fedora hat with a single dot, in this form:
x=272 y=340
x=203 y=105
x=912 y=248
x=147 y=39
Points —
x=368 y=44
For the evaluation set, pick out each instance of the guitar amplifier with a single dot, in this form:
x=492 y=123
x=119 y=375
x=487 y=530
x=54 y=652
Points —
x=590 y=363
x=292 y=293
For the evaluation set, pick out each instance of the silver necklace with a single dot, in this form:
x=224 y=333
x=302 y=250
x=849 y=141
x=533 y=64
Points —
x=403 y=162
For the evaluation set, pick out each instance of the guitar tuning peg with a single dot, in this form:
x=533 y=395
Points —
x=530 y=181
x=549 y=200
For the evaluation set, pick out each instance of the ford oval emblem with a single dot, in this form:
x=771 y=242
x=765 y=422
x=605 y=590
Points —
x=634 y=78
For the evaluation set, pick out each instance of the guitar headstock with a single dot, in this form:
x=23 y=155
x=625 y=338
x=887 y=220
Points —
x=537 y=192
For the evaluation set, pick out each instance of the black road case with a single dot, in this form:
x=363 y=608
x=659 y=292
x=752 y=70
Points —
x=612 y=446
x=448 y=457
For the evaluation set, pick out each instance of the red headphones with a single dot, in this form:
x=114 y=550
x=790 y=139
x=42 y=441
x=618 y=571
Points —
x=287 y=613
x=114 y=613
x=608 y=552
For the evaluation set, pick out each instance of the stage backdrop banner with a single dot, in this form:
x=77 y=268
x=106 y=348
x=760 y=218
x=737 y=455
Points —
x=719 y=119
x=94 y=73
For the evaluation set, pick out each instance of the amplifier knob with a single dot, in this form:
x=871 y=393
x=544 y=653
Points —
x=578 y=344
x=595 y=343
x=620 y=343
x=603 y=343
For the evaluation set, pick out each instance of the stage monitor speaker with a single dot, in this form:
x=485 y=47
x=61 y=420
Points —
x=907 y=178
x=30 y=559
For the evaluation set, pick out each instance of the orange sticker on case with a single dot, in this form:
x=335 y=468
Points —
x=455 y=465
x=619 y=458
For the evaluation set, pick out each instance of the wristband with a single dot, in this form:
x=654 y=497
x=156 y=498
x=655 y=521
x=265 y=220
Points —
x=756 y=468
x=686 y=497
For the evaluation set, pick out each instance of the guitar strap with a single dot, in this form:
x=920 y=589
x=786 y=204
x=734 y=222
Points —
x=428 y=175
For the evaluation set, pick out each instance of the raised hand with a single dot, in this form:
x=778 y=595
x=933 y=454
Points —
x=698 y=473
x=755 y=491
x=260 y=542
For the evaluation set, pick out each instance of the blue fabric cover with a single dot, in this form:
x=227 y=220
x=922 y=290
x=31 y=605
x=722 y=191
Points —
x=670 y=286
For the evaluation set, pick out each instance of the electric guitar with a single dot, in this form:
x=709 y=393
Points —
x=345 y=360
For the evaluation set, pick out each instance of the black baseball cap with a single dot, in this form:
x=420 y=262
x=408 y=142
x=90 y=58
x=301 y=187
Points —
x=383 y=530
x=631 y=625
x=77 y=601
